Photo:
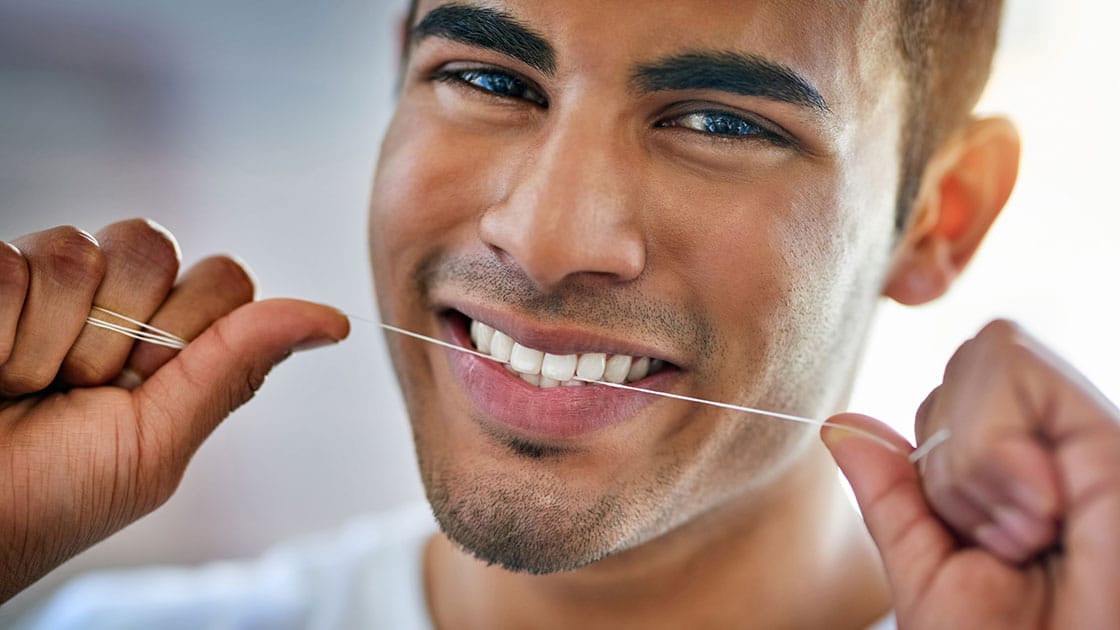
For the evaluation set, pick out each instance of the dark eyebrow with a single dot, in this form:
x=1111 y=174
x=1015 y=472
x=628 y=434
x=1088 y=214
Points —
x=490 y=29
x=746 y=75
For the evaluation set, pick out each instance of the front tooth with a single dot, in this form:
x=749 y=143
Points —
x=501 y=346
x=560 y=367
x=591 y=366
x=572 y=383
x=638 y=370
x=482 y=335
x=532 y=379
x=548 y=382
x=526 y=360
x=617 y=368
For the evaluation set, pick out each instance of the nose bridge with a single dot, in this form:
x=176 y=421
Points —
x=572 y=208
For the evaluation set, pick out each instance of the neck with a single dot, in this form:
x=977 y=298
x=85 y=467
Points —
x=796 y=557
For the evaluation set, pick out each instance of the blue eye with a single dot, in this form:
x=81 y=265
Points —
x=497 y=83
x=723 y=125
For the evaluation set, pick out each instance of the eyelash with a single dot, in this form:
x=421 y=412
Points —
x=473 y=77
x=721 y=126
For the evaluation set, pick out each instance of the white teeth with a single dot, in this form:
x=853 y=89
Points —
x=501 y=346
x=561 y=367
x=591 y=366
x=555 y=370
x=526 y=360
x=639 y=369
x=482 y=335
x=618 y=367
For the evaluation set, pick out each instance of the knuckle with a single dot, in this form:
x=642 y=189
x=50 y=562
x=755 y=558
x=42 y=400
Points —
x=1002 y=341
x=72 y=256
x=959 y=360
x=1008 y=343
x=232 y=279
x=13 y=266
x=18 y=381
x=962 y=467
x=143 y=242
x=85 y=371
x=924 y=415
x=1003 y=335
x=1000 y=330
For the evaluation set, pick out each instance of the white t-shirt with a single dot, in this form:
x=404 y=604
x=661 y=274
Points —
x=369 y=574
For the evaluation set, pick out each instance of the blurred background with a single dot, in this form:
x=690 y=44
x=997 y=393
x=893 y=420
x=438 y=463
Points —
x=251 y=128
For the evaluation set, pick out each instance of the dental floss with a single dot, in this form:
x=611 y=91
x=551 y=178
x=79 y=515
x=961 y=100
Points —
x=933 y=442
x=153 y=335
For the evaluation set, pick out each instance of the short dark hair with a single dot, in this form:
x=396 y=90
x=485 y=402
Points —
x=947 y=47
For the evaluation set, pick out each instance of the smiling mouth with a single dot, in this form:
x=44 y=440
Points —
x=546 y=370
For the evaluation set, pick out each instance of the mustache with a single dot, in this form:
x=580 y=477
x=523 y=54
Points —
x=584 y=300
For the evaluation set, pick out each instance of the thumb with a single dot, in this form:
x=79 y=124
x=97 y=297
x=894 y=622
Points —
x=186 y=399
x=911 y=540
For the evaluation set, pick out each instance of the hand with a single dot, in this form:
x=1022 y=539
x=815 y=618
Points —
x=1015 y=521
x=96 y=429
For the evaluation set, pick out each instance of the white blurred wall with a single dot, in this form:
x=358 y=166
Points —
x=1051 y=262
x=251 y=127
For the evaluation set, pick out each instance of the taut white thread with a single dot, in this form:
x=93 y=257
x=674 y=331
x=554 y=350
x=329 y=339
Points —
x=933 y=442
x=147 y=333
x=163 y=338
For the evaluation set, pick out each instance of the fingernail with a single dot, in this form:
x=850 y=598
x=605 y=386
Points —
x=166 y=233
x=313 y=343
x=832 y=436
x=1029 y=499
x=128 y=379
x=89 y=237
x=1022 y=527
x=253 y=280
x=994 y=539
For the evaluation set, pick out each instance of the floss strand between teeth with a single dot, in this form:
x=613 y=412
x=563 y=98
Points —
x=151 y=334
x=933 y=442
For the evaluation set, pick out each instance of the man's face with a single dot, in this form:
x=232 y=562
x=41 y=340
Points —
x=709 y=184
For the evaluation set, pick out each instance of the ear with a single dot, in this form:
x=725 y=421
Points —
x=964 y=188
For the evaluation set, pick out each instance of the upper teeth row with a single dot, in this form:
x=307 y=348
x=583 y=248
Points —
x=550 y=370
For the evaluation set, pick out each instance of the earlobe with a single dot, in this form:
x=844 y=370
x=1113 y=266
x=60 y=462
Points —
x=965 y=186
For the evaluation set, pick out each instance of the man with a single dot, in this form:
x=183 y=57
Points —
x=705 y=198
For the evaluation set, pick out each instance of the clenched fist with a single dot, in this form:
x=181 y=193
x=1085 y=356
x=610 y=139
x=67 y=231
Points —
x=96 y=429
x=1015 y=521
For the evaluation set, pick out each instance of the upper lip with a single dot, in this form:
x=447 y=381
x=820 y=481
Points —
x=560 y=338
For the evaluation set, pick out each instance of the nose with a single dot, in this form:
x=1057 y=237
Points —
x=573 y=210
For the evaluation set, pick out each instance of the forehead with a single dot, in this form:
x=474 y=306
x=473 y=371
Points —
x=845 y=48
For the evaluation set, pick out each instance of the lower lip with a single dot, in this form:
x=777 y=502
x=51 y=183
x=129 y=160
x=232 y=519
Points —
x=547 y=413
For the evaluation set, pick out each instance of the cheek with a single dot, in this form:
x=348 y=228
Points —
x=766 y=262
x=433 y=181
x=749 y=251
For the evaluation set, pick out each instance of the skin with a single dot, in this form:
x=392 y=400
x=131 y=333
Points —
x=755 y=266
x=588 y=203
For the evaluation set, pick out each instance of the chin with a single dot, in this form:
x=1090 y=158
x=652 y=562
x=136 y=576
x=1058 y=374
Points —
x=529 y=521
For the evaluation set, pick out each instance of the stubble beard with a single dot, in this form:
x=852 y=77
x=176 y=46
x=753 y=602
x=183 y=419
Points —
x=534 y=523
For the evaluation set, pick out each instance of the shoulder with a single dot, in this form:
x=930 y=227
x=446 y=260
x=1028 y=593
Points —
x=367 y=573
